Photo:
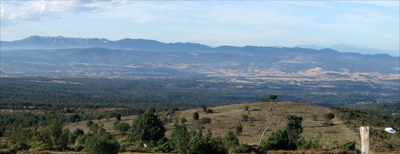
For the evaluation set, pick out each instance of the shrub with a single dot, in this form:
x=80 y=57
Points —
x=204 y=108
x=387 y=145
x=121 y=127
x=89 y=123
x=276 y=140
x=242 y=148
x=99 y=145
x=162 y=148
x=246 y=108
x=94 y=127
x=82 y=138
x=204 y=121
x=302 y=143
x=348 y=146
x=329 y=116
x=287 y=138
x=239 y=129
x=200 y=144
x=183 y=120
x=195 y=116
x=245 y=117
x=180 y=138
x=327 y=123
x=230 y=140
x=78 y=132
x=174 y=109
x=118 y=116
x=209 y=111
x=20 y=146
x=314 y=117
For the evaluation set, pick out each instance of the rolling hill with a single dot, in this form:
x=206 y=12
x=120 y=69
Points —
x=225 y=118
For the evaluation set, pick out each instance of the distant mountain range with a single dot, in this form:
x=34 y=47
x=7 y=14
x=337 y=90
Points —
x=60 y=42
x=38 y=42
x=95 y=57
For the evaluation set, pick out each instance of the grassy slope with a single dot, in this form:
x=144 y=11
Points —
x=227 y=117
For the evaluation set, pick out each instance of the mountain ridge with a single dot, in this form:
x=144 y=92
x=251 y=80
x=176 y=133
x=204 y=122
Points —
x=60 y=42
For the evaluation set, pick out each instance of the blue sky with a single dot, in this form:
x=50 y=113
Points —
x=371 y=24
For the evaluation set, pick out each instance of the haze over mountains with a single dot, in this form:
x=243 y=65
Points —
x=312 y=74
x=60 y=42
x=126 y=58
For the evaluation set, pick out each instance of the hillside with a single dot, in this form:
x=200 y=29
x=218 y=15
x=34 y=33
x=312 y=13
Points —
x=343 y=128
x=226 y=118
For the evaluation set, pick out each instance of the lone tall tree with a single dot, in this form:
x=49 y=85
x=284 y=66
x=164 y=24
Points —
x=146 y=127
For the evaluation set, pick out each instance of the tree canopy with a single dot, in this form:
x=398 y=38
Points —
x=146 y=127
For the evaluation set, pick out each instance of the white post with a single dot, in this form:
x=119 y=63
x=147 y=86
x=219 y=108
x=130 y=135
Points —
x=364 y=133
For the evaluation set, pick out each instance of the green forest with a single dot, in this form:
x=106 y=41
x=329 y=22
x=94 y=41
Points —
x=55 y=94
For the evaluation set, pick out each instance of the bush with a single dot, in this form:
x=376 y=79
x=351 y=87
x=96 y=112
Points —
x=245 y=117
x=287 y=138
x=204 y=121
x=387 y=145
x=329 y=116
x=78 y=132
x=327 y=123
x=314 y=117
x=239 y=129
x=230 y=140
x=204 y=108
x=348 y=146
x=183 y=120
x=246 y=108
x=180 y=138
x=162 y=148
x=244 y=148
x=200 y=144
x=121 y=127
x=276 y=140
x=20 y=146
x=174 y=109
x=209 y=111
x=81 y=139
x=99 y=145
x=302 y=143
x=195 y=116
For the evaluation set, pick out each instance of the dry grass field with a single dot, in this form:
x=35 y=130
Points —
x=226 y=118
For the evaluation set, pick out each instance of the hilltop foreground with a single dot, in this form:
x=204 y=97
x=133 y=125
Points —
x=292 y=128
x=225 y=118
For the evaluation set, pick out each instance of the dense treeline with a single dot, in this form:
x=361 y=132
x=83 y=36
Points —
x=160 y=93
x=50 y=135
x=27 y=119
x=50 y=94
x=392 y=109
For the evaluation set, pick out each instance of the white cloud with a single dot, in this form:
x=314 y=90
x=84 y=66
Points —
x=14 y=11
